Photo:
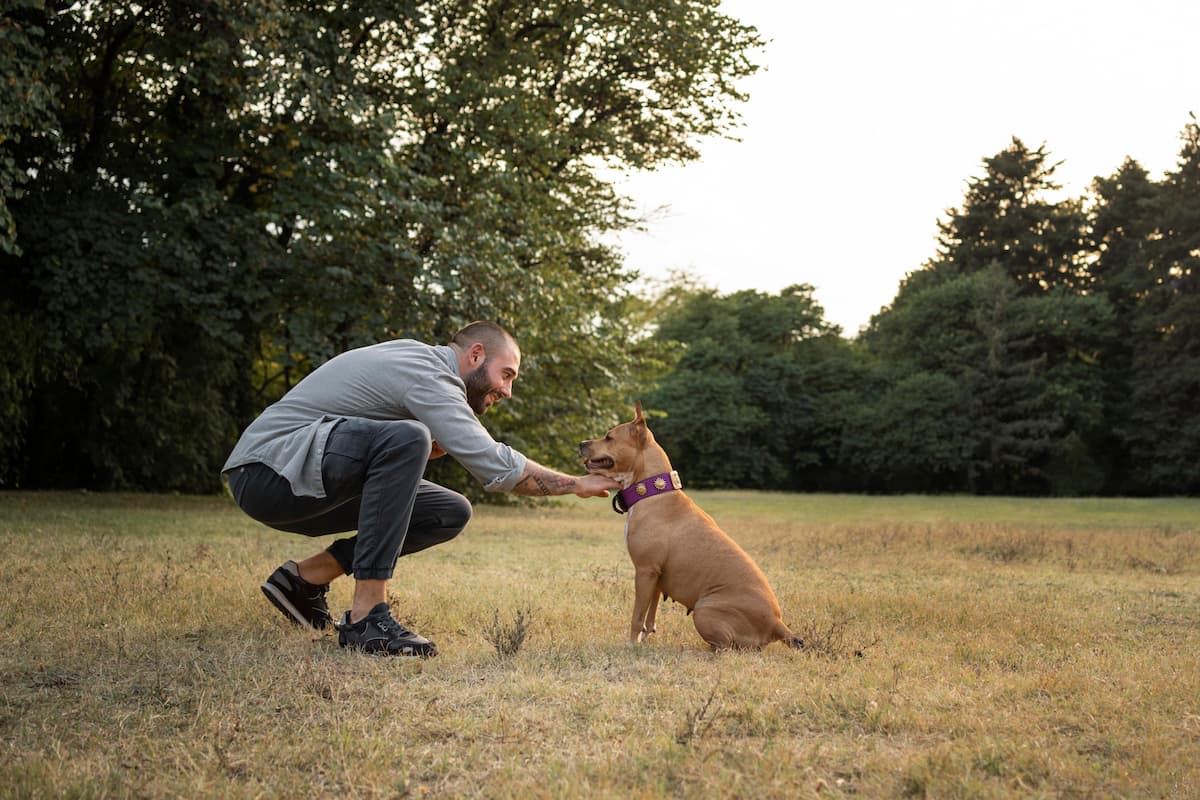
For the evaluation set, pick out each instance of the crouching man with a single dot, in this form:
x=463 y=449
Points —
x=345 y=450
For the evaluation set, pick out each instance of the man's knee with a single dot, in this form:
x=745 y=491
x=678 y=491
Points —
x=404 y=435
x=457 y=514
x=441 y=514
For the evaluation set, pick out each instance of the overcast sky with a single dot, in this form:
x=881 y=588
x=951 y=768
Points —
x=870 y=118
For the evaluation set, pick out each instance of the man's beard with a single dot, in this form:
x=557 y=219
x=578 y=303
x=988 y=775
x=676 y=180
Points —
x=478 y=388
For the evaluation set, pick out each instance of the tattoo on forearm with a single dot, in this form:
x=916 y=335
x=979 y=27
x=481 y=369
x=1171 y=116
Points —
x=547 y=482
x=525 y=486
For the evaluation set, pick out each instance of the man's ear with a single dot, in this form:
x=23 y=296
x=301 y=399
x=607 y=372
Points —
x=477 y=352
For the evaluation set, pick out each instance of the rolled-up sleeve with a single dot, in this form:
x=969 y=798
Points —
x=440 y=402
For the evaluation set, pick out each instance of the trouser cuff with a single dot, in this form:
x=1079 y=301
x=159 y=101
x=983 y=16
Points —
x=343 y=552
x=372 y=574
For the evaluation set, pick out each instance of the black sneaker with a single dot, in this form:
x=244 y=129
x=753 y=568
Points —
x=300 y=601
x=379 y=634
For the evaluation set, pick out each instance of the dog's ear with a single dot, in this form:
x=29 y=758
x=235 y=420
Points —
x=640 y=429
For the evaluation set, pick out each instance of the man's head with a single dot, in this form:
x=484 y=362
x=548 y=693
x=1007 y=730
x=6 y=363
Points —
x=488 y=360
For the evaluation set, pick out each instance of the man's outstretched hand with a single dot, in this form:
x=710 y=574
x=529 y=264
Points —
x=593 y=485
x=543 y=481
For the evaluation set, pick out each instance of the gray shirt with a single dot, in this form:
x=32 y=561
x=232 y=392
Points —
x=400 y=379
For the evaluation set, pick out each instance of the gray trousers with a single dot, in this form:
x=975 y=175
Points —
x=372 y=474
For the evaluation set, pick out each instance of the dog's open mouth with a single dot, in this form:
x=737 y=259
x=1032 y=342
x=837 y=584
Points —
x=598 y=464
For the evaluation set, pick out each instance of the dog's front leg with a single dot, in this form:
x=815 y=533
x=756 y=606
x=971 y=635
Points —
x=652 y=611
x=645 y=585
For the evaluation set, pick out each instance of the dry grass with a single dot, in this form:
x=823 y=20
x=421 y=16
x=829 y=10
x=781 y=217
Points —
x=957 y=648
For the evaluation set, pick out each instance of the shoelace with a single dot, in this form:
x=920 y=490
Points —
x=317 y=599
x=389 y=625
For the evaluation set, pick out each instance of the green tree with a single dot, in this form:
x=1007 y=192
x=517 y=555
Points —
x=915 y=435
x=748 y=403
x=1164 y=429
x=1007 y=218
x=1009 y=309
x=1123 y=222
x=28 y=102
x=1025 y=372
x=241 y=190
x=1072 y=333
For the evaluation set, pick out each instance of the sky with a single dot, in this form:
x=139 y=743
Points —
x=870 y=117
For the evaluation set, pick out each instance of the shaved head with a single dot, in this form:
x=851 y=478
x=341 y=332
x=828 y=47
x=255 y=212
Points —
x=493 y=337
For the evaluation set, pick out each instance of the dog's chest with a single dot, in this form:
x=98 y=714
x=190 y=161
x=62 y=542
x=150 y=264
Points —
x=639 y=532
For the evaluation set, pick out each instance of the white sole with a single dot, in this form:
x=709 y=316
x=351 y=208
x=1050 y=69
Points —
x=280 y=601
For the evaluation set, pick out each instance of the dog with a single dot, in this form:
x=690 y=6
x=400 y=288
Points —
x=679 y=552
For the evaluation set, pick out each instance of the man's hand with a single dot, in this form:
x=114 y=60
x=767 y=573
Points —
x=436 y=451
x=593 y=485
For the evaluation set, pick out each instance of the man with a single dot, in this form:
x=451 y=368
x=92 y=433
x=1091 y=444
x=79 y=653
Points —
x=346 y=448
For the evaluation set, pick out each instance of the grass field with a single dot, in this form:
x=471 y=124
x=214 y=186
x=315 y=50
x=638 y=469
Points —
x=957 y=647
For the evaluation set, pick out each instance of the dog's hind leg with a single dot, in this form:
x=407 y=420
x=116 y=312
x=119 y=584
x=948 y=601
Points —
x=714 y=626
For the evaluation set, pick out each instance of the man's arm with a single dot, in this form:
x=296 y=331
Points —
x=538 y=481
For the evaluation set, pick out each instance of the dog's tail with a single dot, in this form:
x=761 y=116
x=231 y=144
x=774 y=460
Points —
x=785 y=635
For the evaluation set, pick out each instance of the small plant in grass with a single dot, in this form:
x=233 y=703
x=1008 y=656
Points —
x=830 y=639
x=697 y=722
x=507 y=637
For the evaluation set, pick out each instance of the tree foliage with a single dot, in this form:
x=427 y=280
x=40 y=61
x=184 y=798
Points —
x=1064 y=325
x=1163 y=422
x=220 y=195
x=201 y=200
x=1008 y=219
x=744 y=405
x=1049 y=346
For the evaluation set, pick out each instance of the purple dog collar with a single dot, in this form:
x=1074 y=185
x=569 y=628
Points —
x=656 y=484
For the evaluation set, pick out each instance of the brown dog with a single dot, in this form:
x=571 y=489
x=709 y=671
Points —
x=679 y=552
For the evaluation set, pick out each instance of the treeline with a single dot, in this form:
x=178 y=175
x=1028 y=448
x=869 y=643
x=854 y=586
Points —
x=1049 y=347
x=202 y=200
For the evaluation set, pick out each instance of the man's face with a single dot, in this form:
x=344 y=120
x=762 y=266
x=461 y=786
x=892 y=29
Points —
x=492 y=380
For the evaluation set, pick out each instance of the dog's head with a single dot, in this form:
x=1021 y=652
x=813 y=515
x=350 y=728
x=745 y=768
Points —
x=626 y=453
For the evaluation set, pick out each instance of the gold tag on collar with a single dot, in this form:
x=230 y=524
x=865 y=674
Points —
x=660 y=484
x=641 y=490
